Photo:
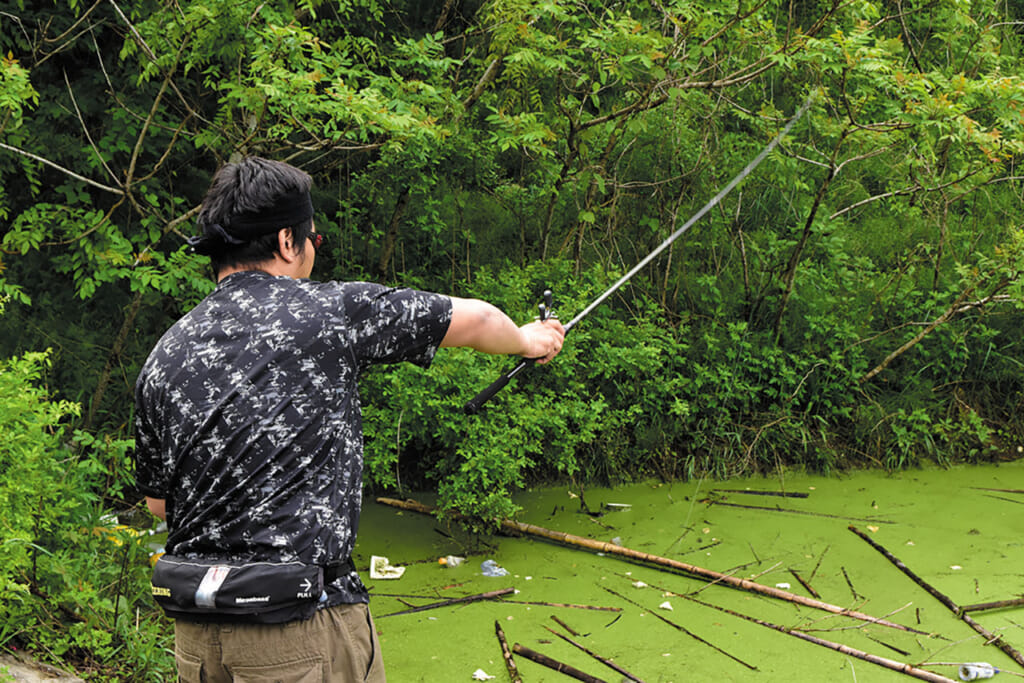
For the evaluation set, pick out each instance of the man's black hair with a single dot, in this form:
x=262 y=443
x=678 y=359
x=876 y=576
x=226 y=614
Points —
x=247 y=204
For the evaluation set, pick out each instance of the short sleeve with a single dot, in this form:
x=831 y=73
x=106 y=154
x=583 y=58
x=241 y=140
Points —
x=151 y=477
x=391 y=325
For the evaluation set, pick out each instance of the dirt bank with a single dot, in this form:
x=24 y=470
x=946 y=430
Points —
x=24 y=670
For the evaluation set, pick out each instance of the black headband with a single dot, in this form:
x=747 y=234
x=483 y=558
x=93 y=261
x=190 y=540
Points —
x=289 y=210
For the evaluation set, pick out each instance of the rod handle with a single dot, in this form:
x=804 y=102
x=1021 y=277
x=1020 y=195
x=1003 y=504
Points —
x=474 y=404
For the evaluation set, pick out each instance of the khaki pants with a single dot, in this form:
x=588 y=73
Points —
x=338 y=645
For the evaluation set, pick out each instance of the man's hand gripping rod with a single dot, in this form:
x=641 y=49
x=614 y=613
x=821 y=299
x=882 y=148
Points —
x=474 y=405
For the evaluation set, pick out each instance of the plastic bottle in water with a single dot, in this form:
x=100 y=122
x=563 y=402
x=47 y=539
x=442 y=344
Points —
x=974 y=670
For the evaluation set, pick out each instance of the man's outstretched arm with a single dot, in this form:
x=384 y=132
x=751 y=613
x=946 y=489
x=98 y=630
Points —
x=482 y=326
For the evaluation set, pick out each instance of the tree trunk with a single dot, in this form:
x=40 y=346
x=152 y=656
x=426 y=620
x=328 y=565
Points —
x=391 y=237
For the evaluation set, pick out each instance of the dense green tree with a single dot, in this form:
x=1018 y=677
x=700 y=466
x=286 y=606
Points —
x=851 y=302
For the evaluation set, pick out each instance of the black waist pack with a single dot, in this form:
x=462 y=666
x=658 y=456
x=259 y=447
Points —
x=253 y=592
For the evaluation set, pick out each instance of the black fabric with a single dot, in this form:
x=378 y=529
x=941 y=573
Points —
x=248 y=419
x=254 y=592
x=289 y=211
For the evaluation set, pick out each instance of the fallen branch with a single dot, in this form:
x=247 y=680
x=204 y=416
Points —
x=562 y=604
x=607 y=662
x=1012 y=602
x=990 y=637
x=454 y=601
x=510 y=664
x=611 y=548
x=564 y=625
x=888 y=645
x=803 y=583
x=700 y=548
x=684 y=630
x=856 y=595
x=818 y=565
x=795 y=512
x=554 y=664
x=953 y=309
x=782 y=494
x=901 y=667
x=1008 y=500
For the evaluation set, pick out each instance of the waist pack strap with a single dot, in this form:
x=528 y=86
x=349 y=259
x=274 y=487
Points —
x=333 y=571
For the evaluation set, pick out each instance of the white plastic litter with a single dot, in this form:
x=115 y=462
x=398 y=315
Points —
x=381 y=568
x=666 y=605
x=491 y=568
x=975 y=670
x=481 y=675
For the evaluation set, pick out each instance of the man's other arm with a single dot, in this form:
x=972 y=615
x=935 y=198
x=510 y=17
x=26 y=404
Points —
x=158 y=506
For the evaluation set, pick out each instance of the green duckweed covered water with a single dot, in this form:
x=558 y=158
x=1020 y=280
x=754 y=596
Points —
x=949 y=526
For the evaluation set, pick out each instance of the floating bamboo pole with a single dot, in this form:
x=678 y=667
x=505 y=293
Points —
x=901 y=667
x=990 y=637
x=555 y=665
x=510 y=664
x=611 y=548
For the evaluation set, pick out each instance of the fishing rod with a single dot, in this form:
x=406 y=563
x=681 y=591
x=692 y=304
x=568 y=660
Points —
x=473 y=405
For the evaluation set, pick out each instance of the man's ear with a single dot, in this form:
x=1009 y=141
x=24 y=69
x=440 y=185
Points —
x=286 y=246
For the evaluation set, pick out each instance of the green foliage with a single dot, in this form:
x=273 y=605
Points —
x=855 y=301
x=15 y=92
x=71 y=578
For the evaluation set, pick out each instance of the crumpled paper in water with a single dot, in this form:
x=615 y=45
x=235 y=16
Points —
x=481 y=675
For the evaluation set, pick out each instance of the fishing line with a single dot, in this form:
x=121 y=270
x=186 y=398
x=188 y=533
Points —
x=474 y=404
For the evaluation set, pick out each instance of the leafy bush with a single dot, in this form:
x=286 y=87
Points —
x=73 y=582
x=634 y=394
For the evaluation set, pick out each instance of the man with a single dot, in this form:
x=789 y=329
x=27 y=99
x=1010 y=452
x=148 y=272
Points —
x=249 y=441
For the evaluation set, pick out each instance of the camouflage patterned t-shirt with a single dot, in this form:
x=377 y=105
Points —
x=248 y=420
